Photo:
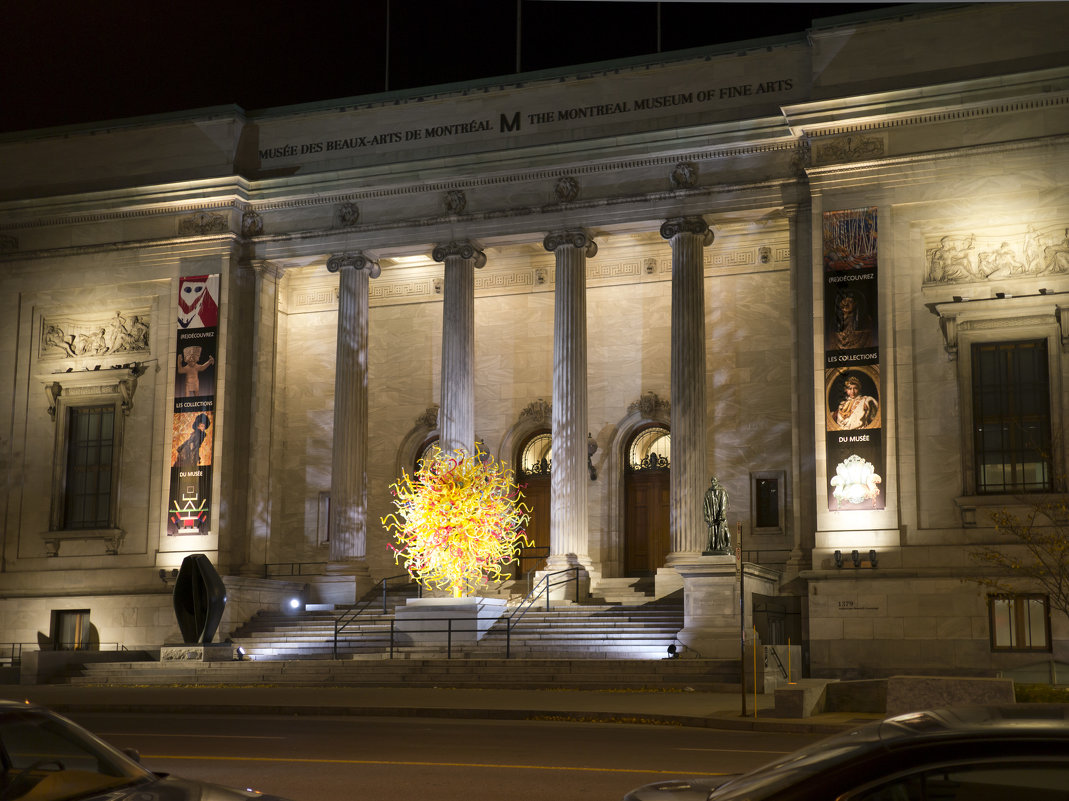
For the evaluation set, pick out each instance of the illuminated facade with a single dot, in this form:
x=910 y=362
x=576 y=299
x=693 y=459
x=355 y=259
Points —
x=829 y=266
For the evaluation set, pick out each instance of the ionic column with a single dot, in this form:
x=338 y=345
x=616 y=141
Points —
x=457 y=408
x=688 y=533
x=569 y=474
x=348 y=480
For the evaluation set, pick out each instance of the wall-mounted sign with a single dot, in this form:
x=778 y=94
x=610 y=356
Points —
x=193 y=419
x=853 y=409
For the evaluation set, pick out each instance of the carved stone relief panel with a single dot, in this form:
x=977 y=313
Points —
x=74 y=336
x=1033 y=250
x=856 y=147
x=203 y=223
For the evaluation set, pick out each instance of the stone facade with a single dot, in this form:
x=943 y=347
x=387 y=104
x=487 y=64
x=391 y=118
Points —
x=953 y=124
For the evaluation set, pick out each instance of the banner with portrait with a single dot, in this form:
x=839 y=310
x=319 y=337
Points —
x=193 y=418
x=853 y=408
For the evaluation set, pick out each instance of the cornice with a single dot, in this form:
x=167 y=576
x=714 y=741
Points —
x=927 y=105
x=831 y=171
x=176 y=247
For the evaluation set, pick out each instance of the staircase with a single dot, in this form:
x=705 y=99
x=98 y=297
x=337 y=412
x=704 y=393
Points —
x=594 y=644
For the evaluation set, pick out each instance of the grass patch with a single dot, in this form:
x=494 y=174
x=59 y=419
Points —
x=1040 y=694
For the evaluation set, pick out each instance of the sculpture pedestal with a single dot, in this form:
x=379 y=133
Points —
x=198 y=652
x=710 y=606
x=439 y=621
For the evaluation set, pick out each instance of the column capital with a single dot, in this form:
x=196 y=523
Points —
x=268 y=269
x=358 y=261
x=576 y=239
x=464 y=249
x=687 y=225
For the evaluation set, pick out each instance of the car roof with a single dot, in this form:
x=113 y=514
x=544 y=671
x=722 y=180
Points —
x=979 y=722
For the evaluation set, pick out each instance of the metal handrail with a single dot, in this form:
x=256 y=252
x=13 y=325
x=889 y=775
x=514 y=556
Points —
x=14 y=652
x=354 y=611
x=523 y=606
x=543 y=587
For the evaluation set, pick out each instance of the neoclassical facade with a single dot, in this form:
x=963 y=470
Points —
x=831 y=270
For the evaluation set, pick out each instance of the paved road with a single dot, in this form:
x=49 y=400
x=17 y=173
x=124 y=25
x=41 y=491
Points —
x=324 y=758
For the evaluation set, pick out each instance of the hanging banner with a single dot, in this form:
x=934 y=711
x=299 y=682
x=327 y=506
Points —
x=852 y=388
x=193 y=420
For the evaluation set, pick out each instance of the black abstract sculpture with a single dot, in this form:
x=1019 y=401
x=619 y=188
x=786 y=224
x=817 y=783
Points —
x=199 y=599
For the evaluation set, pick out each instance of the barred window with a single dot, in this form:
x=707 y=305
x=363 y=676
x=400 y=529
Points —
x=1011 y=417
x=89 y=488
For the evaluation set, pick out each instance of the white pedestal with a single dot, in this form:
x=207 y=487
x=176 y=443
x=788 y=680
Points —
x=438 y=621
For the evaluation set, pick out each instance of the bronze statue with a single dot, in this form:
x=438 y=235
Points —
x=715 y=510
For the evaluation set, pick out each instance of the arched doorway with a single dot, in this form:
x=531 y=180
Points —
x=534 y=464
x=646 y=513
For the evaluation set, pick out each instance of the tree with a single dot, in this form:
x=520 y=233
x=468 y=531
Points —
x=1039 y=552
x=459 y=520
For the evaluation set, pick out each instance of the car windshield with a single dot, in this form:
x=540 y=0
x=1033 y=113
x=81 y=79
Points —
x=799 y=765
x=45 y=757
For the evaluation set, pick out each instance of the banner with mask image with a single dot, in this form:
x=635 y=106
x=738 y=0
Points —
x=853 y=410
x=193 y=421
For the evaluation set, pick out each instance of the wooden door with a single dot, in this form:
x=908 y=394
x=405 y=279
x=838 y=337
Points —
x=536 y=496
x=646 y=536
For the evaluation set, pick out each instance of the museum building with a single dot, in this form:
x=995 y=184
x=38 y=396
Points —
x=829 y=269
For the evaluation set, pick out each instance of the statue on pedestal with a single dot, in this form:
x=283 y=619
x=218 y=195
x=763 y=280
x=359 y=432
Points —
x=715 y=509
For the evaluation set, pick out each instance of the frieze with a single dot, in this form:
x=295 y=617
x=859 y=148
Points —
x=455 y=201
x=327 y=296
x=69 y=338
x=567 y=189
x=347 y=215
x=613 y=269
x=384 y=290
x=504 y=280
x=733 y=258
x=252 y=224
x=684 y=175
x=203 y=223
x=1035 y=251
x=849 y=148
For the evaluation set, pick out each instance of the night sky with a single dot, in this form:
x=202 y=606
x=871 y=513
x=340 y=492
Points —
x=75 y=61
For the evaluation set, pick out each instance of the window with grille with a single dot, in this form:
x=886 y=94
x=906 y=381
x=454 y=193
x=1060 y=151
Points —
x=651 y=449
x=1011 y=417
x=1020 y=623
x=88 y=491
x=536 y=457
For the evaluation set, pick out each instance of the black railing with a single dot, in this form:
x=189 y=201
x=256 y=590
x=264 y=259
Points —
x=11 y=654
x=277 y=569
x=456 y=625
x=353 y=612
x=544 y=585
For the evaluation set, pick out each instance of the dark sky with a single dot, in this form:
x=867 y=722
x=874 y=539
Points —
x=72 y=61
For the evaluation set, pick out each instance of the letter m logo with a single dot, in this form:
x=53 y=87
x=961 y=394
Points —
x=510 y=125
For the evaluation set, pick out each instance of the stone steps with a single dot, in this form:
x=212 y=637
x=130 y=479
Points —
x=699 y=674
x=566 y=630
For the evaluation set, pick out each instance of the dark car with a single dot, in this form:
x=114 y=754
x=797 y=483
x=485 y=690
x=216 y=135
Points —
x=976 y=753
x=45 y=757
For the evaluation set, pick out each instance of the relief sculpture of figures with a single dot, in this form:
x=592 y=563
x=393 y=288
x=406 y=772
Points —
x=715 y=510
x=117 y=335
x=1034 y=253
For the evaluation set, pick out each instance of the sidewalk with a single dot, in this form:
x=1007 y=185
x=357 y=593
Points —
x=700 y=709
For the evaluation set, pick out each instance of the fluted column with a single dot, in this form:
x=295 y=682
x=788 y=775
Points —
x=569 y=474
x=688 y=236
x=348 y=480
x=457 y=408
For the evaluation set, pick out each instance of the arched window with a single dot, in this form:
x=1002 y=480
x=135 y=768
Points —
x=426 y=448
x=536 y=458
x=651 y=449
